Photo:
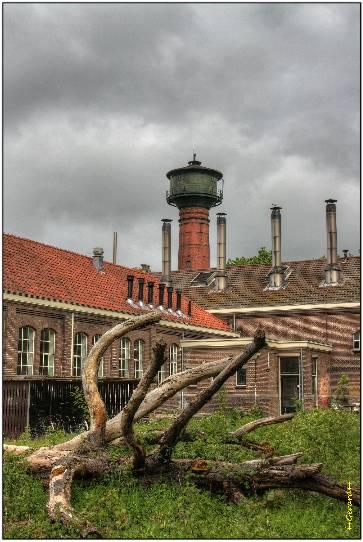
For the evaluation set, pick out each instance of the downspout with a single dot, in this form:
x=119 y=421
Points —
x=255 y=384
x=72 y=341
x=302 y=379
x=182 y=369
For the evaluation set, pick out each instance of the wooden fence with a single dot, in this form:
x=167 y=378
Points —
x=40 y=404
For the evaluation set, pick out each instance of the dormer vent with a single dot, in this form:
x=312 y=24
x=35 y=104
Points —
x=170 y=297
x=178 y=299
x=140 y=296
x=97 y=258
x=130 y=286
x=161 y=294
x=150 y=293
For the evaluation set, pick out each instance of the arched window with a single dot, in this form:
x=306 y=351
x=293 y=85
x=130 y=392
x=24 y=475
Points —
x=79 y=353
x=124 y=361
x=47 y=351
x=95 y=338
x=356 y=341
x=25 y=351
x=139 y=348
x=173 y=356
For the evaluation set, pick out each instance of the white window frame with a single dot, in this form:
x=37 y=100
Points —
x=139 y=350
x=241 y=385
x=46 y=365
x=96 y=338
x=356 y=341
x=80 y=356
x=125 y=356
x=173 y=357
x=25 y=351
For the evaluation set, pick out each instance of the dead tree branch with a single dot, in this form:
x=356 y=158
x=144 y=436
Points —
x=95 y=404
x=251 y=426
x=128 y=413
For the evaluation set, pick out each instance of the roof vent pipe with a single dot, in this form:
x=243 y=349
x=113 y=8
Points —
x=114 y=247
x=166 y=251
x=98 y=258
x=332 y=270
x=130 y=286
x=276 y=276
x=221 y=277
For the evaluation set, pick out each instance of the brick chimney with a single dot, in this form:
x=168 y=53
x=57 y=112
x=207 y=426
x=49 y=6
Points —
x=97 y=258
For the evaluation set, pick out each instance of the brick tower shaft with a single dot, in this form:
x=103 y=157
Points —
x=194 y=251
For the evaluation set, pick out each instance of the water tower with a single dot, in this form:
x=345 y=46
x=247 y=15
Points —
x=194 y=189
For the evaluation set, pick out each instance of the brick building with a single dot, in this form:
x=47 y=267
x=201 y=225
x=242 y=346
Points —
x=310 y=310
x=57 y=303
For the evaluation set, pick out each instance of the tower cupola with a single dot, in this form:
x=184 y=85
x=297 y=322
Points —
x=194 y=189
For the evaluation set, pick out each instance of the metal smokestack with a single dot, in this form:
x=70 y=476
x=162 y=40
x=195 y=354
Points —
x=276 y=277
x=114 y=248
x=332 y=270
x=221 y=278
x=166 y=251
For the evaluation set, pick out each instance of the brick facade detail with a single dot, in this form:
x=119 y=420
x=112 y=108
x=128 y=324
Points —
x=194 y=251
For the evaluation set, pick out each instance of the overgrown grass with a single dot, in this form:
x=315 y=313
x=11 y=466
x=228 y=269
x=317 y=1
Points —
x=123 y=507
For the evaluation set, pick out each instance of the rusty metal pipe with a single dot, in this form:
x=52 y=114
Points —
x=166 y=251
x=221 y=252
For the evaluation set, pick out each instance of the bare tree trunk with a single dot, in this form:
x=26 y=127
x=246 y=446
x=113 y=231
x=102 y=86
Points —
x=96 y=406
x=130 y=409
x=171 y=435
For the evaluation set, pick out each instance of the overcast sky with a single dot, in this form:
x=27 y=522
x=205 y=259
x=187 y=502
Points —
x=101 y=100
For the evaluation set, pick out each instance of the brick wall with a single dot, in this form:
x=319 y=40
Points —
x=262 y=378
x=330 y=328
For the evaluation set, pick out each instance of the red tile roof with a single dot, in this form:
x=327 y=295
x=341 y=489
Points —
x=246 y=285
x=44 y=271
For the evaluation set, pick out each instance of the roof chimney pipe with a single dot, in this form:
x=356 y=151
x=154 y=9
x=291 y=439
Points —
x=332 y=270
x=97 y=258
x=221 y=278
x=276 y=276
x=114 y=247
x=166 y=252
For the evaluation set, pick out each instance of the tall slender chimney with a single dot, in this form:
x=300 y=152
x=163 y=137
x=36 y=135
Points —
x=276 y=276
x=221 y=278
x=98 y=258
x=114 y=248
x=166 y=251
x=332 y=270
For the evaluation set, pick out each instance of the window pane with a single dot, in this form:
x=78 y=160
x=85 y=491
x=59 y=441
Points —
x=289 y=365
x=241 y=377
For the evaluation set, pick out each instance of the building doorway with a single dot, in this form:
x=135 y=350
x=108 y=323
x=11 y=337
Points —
x=289 y=383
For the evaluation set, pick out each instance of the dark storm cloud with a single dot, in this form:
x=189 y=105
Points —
x=100 y=100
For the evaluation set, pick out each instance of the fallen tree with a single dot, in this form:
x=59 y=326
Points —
x=86 y=454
